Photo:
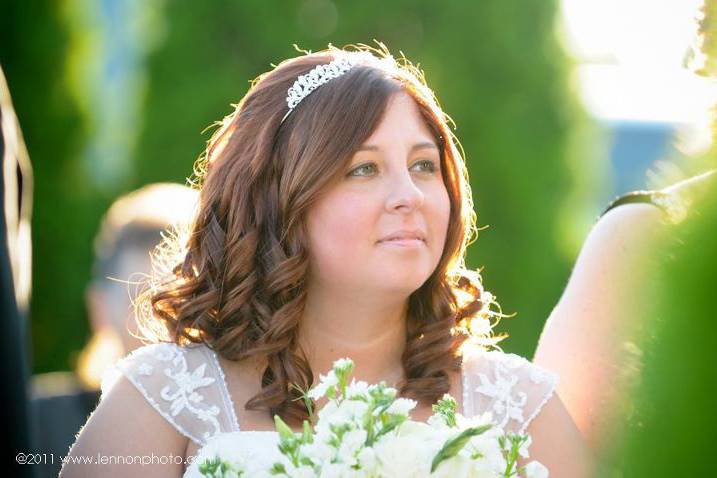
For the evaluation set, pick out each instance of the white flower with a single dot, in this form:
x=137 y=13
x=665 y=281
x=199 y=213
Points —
x=343 y=364
x=438 y=422
x=402 y=406
x=338 y=448
x=536 y=469
x=318 y=451
x=523 y=450
x=300 y=471
x=417 y=429
x=348 y=411
x=339 y=470
x=456 y=466
x=367 y=460
x=351 y=442
x=493 y=460
x=477 y=421
x=356 y=389
x=325 y=382
x=491 y=464
x=404 y=456
x=224 y=447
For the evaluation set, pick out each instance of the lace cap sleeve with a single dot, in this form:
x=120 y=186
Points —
x=509 y=386
x=183 y=384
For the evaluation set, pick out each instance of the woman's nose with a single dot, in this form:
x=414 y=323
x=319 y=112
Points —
x=403 y=193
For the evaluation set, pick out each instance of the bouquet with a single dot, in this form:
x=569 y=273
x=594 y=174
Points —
x=364 y=431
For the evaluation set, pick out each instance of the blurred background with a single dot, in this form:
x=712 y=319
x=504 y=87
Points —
x=560 y=107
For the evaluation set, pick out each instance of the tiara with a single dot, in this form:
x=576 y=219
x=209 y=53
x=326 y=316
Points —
x=305 y=84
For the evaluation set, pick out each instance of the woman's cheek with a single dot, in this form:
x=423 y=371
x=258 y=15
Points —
x=443 y=219
x=356 y=212
x=349 y=222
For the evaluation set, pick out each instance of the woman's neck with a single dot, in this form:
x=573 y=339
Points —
x=371 y=333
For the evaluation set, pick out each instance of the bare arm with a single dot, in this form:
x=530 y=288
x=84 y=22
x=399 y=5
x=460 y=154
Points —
x=558 y=444
x=591 y=337
x=125 y=428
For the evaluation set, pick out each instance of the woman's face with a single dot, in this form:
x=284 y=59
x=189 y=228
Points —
x=382 y=226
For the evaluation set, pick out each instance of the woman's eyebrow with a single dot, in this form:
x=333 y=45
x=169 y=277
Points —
x=424 y=145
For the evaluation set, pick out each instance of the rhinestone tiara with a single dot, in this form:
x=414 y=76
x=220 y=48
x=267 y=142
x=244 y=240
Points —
x=319 y=75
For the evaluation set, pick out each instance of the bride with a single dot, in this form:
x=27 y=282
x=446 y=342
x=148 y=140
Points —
x=333 y=221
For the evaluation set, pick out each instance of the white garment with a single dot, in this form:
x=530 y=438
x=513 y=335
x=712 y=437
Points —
x=186 y=385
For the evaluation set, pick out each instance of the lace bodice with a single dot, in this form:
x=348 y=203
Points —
x=186 y=385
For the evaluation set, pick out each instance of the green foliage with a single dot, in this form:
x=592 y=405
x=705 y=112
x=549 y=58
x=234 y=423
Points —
x=671 y=431
x=446 y=407
x=216 y=468
x=708 y=30
x=453 y=446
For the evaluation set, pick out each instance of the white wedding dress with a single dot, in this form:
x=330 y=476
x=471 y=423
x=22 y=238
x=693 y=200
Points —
x=186 y=385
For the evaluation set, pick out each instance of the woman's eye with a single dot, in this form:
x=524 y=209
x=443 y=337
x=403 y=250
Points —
x=363 y=170
x=426 y=165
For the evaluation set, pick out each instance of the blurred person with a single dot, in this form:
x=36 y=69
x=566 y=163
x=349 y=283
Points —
x=333 y=221
x=131 y=228
x=594 y=336
x=625 y=266
x=130 y=231
x=670 y=431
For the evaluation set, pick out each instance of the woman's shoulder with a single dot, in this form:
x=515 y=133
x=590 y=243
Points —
x=144 y=360
x=123 y=425
x=476 y=360
x=183 y=383
x=508 y=385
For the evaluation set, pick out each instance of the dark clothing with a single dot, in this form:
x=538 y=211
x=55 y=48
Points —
x=677 y=201
x=59 y=408
x=632 y=197
x=15 y=203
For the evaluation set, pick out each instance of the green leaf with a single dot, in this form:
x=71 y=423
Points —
x=216 y=468
x=307 y=436
x=446 y=407
x=511 y=454
x=285 y=433
x=393 y=423
x=209 y=467
x=456 y=444
x=278 y=469
x=305 y=398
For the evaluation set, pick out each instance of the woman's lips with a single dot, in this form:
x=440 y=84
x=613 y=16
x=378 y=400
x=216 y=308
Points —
x=406 y=242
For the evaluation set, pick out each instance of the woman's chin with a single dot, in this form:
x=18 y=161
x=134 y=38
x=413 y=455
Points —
x=401 y=284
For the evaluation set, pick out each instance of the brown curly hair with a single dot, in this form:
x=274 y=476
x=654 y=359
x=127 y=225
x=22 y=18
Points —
x=239 y=283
